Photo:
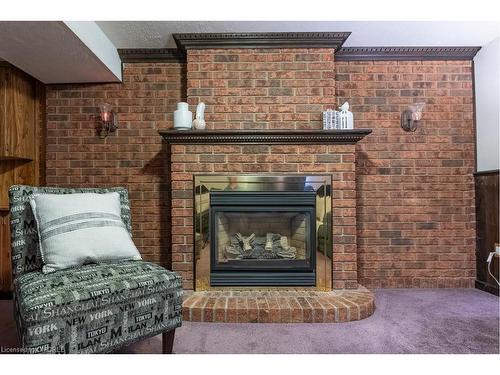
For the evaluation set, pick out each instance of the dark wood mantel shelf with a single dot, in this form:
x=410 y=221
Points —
x=350 y=136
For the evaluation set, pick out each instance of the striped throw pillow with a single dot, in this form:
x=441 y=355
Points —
x=81 y=228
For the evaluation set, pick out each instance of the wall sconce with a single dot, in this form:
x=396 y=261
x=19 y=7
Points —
x=411 y=116
x=109 y=120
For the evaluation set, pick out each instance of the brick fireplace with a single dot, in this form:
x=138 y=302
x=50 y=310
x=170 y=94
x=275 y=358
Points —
x=261 y=89
x=199 y=171
x=336 y=160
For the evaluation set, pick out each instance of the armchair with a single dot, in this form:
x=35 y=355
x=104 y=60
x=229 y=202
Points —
x=95 y=308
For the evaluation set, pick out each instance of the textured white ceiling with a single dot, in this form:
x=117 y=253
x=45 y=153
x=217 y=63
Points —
x=53 y=53
x=158 y=34
x=58 y=52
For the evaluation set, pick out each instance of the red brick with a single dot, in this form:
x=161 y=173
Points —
x=414 y=167
x=403 y=179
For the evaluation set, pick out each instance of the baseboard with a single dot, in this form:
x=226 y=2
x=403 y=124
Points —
x=488 y=172
x=487 y=287
x=5 y=295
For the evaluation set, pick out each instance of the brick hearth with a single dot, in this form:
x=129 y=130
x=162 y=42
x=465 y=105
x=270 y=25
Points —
x=278 y=306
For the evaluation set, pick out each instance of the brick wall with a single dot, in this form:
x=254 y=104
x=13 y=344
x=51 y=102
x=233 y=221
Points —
x=415 y=216
x=415 y=190
x=337 y=160
x=131 y=157
x=262 y=88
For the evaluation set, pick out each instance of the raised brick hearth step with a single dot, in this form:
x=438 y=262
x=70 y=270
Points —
x=278 y=306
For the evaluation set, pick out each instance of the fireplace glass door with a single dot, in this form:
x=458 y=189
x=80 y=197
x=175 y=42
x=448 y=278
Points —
x=262 y=238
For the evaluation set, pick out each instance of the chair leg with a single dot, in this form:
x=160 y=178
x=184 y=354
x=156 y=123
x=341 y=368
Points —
x=168 y=341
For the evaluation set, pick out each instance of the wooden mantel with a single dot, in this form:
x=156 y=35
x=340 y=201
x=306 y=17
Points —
x=350 y=136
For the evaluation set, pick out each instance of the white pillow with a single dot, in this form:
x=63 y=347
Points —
x=81 y=228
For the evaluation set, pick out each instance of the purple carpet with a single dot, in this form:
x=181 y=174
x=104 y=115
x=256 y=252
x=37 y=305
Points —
x=405 y=321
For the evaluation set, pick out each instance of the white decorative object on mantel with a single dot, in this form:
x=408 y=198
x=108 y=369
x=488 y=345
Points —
x=346 y=119
x=183 y=118
x=199 y=122
x=330 y=119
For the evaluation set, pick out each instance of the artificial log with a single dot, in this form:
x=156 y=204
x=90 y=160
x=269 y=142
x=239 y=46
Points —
x=246 y=242
x=273 y=246
x=269 y=242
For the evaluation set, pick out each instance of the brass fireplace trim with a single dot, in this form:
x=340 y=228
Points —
x=203 y=184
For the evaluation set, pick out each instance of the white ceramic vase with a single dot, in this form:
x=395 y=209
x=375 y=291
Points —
x=183 y=118
x=199 y=122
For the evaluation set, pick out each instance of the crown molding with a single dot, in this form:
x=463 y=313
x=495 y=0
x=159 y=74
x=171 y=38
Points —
x=405 y=53
x=292 y=40
x=135 y=55
x=261 y=40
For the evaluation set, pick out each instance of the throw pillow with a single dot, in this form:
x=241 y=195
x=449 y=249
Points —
x=81 y=228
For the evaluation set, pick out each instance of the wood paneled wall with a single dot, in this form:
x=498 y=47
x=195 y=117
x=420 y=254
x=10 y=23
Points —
x=17 y=133
x=22 y=134
x=487 y=213
x=5 y=273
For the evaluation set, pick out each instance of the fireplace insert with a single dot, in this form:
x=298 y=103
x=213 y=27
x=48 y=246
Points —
x=262 y=238
x=262 y=230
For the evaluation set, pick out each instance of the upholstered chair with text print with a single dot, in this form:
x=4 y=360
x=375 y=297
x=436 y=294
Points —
x=94 y=308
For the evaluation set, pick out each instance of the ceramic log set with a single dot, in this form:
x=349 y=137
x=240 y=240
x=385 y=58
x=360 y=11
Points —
x=183 y=117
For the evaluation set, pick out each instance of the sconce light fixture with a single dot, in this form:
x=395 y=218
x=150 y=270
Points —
x=411 y=116
x=109 y=120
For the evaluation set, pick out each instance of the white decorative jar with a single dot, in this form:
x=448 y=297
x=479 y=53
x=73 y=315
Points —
x=183 y=118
